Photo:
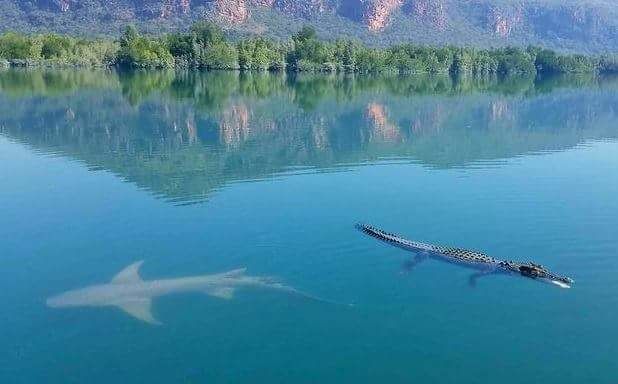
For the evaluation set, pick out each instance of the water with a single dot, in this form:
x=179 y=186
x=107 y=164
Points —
x=204 y=173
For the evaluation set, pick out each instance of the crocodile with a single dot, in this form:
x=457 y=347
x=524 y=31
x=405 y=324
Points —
x=482 y=263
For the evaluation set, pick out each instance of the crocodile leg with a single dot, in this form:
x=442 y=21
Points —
x=475 y=276
x=409 y=264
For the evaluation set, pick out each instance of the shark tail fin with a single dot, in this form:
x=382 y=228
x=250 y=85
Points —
x=319 y=299
x=308 y=296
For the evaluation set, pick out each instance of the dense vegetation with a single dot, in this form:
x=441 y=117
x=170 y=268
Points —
x=205 y=47
x=578 y=26
x=52 y=49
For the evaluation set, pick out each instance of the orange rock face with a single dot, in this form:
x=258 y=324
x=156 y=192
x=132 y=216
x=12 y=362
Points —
x=499 y=110
x=503 y=23
x=432 y=11
x=234 y=125
x=237 y=11
x=303 y=8
x=262 y=3
x=191 y=129
x=383 y=130
x=64 y=5
x=378 y=12
x=175 y=7
x=232 y=11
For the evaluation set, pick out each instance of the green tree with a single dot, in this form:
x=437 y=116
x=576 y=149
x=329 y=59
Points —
x=218 y=56
x=513 y=61
x=207 y=33
x=129 y=35
x=180 y=45
x=608 y=63
x=141 y=52
x=309 y=53
x=15 y=46
x=55 y=46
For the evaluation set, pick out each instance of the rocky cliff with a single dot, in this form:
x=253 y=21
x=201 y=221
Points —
x=587 y=25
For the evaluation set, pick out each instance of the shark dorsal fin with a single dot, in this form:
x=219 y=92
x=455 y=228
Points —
x=140 y=309
x=129 y=275
x=235 y=272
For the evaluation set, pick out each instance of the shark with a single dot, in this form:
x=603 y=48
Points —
x=482 y=263
x=133 y=295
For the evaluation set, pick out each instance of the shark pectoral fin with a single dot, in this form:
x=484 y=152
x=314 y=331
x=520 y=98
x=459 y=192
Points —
x=129 y=275
x=140 y=309
x=226 y=293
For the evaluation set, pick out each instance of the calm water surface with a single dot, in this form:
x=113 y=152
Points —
x=204 y=173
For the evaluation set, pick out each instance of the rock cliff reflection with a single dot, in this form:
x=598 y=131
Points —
x=183 y=135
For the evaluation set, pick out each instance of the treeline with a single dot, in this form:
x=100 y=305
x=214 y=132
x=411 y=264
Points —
x=55 y=50
x=205 y=46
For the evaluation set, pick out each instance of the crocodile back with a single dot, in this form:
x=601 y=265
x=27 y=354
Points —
x=449 y=253
x=464 y=255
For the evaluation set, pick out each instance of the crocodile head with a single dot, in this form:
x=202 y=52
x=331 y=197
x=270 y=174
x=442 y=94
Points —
x=538 y=272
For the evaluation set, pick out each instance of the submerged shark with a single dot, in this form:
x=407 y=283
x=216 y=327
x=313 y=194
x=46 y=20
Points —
x=133 y=295
x=483 y=263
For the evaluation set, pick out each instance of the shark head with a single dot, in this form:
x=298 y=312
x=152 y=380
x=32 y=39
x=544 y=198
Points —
x=123 y=292
x=537 y=272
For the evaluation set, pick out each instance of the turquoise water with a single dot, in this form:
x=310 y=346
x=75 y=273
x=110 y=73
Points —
x=204 y=173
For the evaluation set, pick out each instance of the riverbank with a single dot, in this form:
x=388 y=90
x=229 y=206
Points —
x=206 y=47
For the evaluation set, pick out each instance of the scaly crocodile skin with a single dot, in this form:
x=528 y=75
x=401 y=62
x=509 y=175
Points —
x=459 y=254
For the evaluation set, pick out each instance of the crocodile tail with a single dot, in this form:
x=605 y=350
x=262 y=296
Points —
x=393 y=239
x=370 y=230
x=379 y=234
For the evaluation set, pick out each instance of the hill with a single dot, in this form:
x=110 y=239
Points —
x=569 y=25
